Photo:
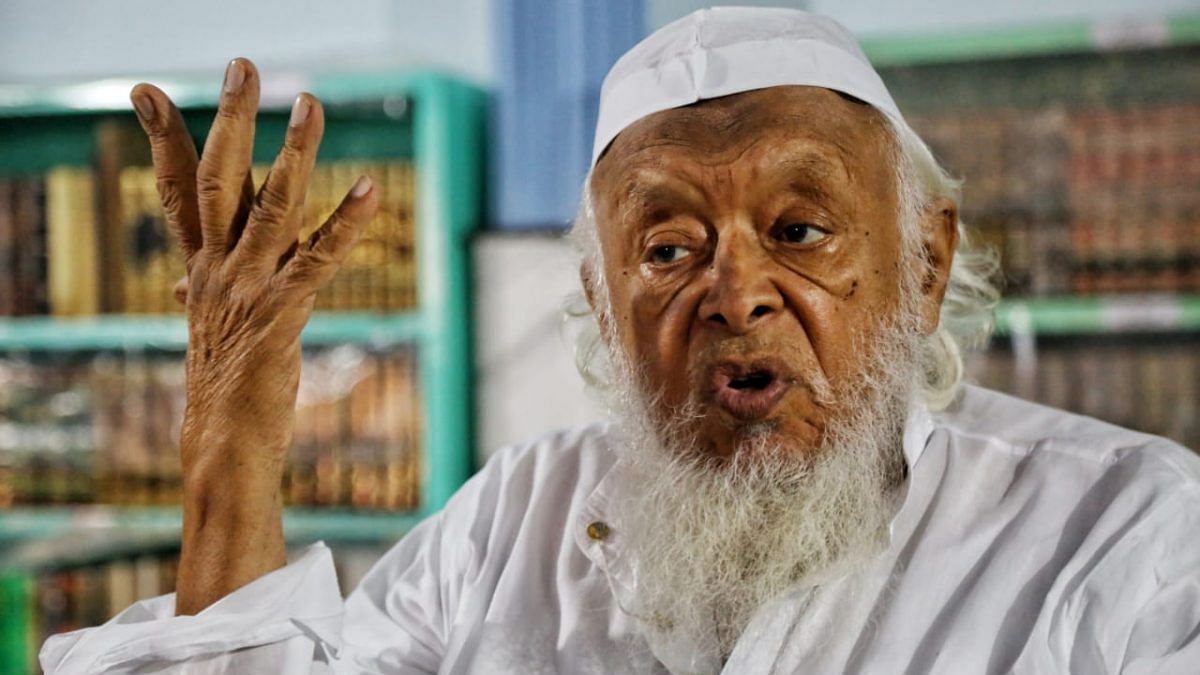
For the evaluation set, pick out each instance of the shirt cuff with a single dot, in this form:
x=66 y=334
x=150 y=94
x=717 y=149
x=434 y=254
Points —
x=301 y=600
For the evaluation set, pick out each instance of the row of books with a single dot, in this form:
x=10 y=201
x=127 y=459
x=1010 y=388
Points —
x=105 y=429
x=1080 y=201
x=1151 y=386
x=1081 y=169
x=62 y=600
x=83 y=240
x=1135 y=206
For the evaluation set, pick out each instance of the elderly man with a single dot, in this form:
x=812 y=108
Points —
x=793 y=478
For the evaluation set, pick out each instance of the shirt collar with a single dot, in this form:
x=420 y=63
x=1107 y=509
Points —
x=918 y=426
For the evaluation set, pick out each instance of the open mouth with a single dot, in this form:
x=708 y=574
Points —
x=758 y=379
x=748 y=390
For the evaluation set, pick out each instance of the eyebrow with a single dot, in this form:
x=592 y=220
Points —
x=644 y=196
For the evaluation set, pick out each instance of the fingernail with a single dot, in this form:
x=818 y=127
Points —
x=235 y=75
x=299 y=112
x=361 y=187
x=144 y=106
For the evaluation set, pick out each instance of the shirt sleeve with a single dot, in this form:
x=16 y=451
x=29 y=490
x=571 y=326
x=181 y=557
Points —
x=395 y=617
x=1136 y=607
x=1164 y=633
x=420 y=607
x=286 y=621
x=291 y=621
x=398 y=621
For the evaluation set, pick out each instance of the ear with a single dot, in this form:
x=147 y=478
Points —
x=939 y=237
x=587 y=278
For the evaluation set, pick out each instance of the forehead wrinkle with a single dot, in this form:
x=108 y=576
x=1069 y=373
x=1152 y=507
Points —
x=654 y=153
x=644 y=184
x=808 y=164
x=676 y=157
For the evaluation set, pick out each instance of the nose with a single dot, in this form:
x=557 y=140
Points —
x=742 y=294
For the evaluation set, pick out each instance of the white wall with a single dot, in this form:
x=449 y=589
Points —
x=44 y=40
x=524 y=354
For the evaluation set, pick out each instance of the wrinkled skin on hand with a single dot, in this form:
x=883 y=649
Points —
x=249 y=292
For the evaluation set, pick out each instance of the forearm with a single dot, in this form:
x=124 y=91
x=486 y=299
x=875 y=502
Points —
x=232 y=524
x=249 y=292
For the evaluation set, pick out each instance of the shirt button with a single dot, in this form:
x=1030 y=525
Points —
x=598 y=530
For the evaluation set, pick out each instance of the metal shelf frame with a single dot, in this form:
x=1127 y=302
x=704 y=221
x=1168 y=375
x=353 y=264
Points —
x=1099 y=315
x=1033 y=40
x=33 y=538
x=169 y=333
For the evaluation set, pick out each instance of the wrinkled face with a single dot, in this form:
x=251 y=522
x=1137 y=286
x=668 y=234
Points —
x=751 y=245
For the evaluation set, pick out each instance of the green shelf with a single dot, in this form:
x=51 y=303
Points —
x=1099 y=315
x=443 y=121
x=132 y=333
x=434 y=121
x=277 y=92
x=1033 y=40
x=1049 y=316
x=42 y=537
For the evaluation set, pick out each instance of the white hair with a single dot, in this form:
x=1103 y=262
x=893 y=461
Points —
x=966 y=318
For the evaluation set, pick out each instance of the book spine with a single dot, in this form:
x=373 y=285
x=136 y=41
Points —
x=29 y=228
x=71 y=230
x=8 y=251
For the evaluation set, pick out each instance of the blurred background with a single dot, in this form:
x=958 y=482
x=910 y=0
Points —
x=1074 y=125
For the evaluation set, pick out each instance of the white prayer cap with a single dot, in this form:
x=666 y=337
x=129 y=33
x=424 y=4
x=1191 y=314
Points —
x=727 y=50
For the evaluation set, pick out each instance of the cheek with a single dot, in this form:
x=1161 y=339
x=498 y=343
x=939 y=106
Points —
x=860 y=273
x=661 y=325
x=642 y=312
x=879 y=289
x=837 y=312
x=663 y=316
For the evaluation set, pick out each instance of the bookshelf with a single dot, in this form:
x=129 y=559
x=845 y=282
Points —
x=1080 y=160
x=432 y=122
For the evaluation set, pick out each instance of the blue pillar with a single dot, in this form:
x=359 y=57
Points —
x=553 y=57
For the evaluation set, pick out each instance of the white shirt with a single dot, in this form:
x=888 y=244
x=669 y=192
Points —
x=1030 y=540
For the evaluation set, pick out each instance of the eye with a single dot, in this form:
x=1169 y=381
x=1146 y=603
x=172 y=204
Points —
x=668 y=253
x=801 y=233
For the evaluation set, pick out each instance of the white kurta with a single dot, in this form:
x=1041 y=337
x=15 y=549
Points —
x=1030 y=540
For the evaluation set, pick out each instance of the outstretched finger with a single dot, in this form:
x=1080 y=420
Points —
x=225 y=162
x=318 y=259
x=274 y=222
x=175 y=162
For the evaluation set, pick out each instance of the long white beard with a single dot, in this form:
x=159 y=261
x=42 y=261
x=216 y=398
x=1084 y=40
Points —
x=711 y=542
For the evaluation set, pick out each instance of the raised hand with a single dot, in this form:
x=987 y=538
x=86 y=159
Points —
x=249 y=292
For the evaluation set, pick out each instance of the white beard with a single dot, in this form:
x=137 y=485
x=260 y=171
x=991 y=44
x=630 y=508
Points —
x=711 y=542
